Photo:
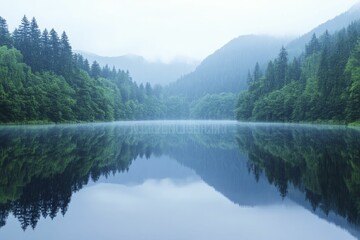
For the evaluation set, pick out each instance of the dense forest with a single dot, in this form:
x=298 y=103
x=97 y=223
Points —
x=42 y=80
x=323 y=84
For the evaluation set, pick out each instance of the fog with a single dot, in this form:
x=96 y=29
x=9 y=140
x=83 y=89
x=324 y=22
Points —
x=162 y=29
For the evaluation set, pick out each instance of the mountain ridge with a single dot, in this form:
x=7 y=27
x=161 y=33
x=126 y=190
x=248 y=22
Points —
x=230 y=72
x=143 y=70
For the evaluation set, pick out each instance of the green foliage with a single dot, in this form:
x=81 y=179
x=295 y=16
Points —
x=215 y=106
x=43 y=81
x=278 y=105
x=5 y=38
x=322 y=162
x=321 y=85
x=353 y=69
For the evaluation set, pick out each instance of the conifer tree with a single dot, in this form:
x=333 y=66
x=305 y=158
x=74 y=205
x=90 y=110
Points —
x=281 y=68
x=5 y=38
x=257 y=72
x=35 y=46
x=65 y=56
x=313 y=46
x=95 y=70
x=45 y=50
x=22 y=39
x=54 y=51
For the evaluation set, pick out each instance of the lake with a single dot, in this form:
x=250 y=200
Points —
x=179 y=180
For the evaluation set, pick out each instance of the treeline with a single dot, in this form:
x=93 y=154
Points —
x=41 y=79
x=40 y=182
x=323 y=84
x=323 y=164
x=50 y=166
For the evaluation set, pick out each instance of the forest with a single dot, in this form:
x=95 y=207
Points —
x=43 y=81
x=321 y=85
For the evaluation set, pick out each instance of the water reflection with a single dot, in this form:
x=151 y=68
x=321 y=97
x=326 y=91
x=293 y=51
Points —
x=317 y=168
x=321 y=162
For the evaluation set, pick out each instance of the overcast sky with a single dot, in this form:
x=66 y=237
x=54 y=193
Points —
x=164 y=29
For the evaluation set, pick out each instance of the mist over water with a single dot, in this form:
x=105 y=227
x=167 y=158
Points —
x=179 y=180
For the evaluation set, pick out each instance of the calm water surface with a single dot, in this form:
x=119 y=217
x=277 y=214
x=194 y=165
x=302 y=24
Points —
x=179 y=180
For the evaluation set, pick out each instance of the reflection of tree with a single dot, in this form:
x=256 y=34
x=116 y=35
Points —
x=40 y=167
x=323 y=163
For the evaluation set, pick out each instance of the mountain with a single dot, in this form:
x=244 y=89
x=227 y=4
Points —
x=226 y=69
x=143 y=71
x=343 y=20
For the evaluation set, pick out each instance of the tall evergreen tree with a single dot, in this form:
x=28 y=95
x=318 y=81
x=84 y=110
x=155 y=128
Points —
x=257 y=72
x=65 y=54
x=281 y=68
x=86 y=66
x=95 y=70
x=54 y=51
x=45 y=50
x=313 y=46
x=35 y=46
x=5 y=38
x=324 y=72
x=270 y=77
x=148 y=89
x=294 y=71
x=22 y=39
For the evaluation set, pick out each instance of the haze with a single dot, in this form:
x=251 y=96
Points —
x=163 y=29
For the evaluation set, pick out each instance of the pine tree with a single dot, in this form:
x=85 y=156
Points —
x=86 y=66
x=54 y=51
x=95 y=70
x=257 y=72
x=22 y=39
x=5 y=38
x=270 y=78
x=105 y=72
x=65 y=54
x=324 y=71
x=313 y=46
x=250 y=79
x=45 y=51
x=281 y=68
x=148 y=89
x=35 y=46
x=294 y=71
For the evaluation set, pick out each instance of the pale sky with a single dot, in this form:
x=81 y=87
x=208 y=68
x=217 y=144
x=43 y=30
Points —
x=164 y=29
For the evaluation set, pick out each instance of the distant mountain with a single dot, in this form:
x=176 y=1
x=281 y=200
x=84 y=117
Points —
x=226 y=69
x=343 y=20
x=143 y=71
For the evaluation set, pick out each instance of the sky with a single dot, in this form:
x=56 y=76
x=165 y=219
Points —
x=168 y=29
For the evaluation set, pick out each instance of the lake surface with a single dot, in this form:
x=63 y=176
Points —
x=179 y=180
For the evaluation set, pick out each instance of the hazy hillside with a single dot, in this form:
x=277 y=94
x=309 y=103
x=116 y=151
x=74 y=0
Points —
x=143 y=71
x=226 y=69
x=343 y=20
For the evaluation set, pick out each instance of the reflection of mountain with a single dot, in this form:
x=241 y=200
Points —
x=323 y=164
x=226 y=170
x=40 y=167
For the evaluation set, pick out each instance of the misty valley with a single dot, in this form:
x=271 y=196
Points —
x=172 y=120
